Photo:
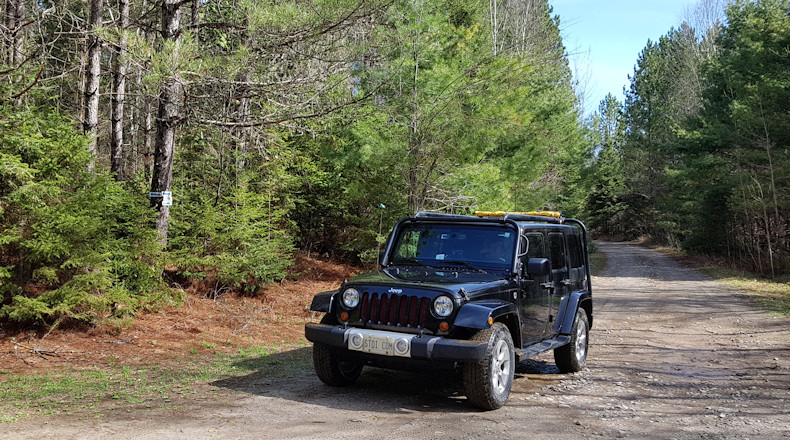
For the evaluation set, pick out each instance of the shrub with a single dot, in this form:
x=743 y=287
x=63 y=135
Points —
x=74 y=244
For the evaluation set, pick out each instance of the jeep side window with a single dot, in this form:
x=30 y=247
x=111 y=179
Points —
x=557 y=246
x=577 y=258
x=535 y=243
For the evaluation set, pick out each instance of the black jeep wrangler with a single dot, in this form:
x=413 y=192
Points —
x=472 y=292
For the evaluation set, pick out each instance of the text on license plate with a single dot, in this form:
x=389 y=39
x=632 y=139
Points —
x=371 y=341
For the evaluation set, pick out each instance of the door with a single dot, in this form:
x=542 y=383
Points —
x=535 y=294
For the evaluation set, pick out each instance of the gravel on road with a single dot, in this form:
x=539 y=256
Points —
x=673 y=355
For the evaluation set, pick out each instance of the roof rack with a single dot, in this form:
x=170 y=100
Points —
x=529 y=216
x=554 y=214
x=439 y=215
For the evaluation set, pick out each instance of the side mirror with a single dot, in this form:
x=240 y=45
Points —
x=538 y=267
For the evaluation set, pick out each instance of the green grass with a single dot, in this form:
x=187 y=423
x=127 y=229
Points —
x=120 y=387
x=774 y=295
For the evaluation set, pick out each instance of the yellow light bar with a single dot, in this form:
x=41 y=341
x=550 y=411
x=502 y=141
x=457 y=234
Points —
x=553 y=214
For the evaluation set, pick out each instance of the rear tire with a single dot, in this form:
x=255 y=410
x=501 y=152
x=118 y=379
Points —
x=330 y=365
x=571 y=357
x=488 y=382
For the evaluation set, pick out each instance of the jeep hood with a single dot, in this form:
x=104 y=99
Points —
x=442 y=279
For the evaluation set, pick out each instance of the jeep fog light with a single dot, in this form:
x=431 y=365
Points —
x=443 y=306
x=401 y=346
x=356 y=340
x=351 y=298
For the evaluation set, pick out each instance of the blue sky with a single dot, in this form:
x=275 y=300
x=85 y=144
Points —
x=605 y=37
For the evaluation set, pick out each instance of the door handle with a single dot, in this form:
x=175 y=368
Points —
x=548 y=285
x=565 y=282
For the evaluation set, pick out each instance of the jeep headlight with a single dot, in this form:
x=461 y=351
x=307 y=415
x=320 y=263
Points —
x=351 y=298
x=443 y=306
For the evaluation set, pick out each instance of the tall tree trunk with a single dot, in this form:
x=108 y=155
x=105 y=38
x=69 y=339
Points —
x=132 y=150
x=148 y=129
x=13 y=18
x=167 y=118
x=241 y=134
x=116 y=139
x=19 y=21
x=90 y=120
x=13 y=36
x=8 y=23
x=195 y=19
x=161 y=180
x=143 y=133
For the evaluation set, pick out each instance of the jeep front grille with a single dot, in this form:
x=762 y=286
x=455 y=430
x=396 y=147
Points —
x=398 y=310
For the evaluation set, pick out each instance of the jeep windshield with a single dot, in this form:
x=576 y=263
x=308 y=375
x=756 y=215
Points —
x=455 y=246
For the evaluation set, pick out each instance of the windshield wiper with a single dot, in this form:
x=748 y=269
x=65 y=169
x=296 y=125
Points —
x=465 y=264
x=410 y=262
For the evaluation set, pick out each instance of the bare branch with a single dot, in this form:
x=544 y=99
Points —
x=19 y=95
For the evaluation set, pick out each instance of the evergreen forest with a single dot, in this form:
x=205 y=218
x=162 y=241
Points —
x=147 y=142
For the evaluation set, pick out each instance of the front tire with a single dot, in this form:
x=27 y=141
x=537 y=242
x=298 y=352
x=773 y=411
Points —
x=329 y=364
x=488 y=382
x=571 y=357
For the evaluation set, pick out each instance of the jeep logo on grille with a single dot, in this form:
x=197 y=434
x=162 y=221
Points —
x=395 y=291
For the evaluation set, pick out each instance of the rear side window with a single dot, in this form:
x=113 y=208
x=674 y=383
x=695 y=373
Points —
x=557 y=247
x=576 y=251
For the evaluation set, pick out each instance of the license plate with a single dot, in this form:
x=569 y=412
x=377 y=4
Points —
x=378 y=342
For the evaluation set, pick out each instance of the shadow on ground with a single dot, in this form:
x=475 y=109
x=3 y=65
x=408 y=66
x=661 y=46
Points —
x=289 y=375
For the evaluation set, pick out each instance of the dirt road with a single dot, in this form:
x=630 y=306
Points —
x=673 y=355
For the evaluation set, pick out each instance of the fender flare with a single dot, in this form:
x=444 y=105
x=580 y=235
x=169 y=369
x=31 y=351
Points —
x=567 y=311
x=322 y=302
x=475 y=314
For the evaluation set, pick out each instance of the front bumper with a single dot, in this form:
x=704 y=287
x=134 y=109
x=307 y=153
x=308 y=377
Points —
x=422 y=347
